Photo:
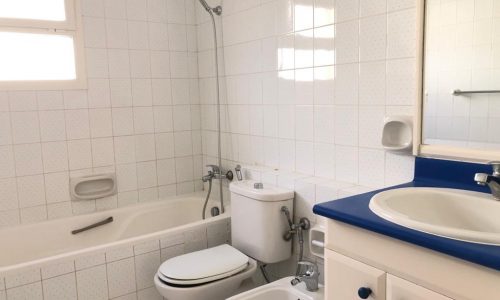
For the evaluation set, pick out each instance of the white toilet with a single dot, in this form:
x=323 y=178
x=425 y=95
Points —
x=257 y=228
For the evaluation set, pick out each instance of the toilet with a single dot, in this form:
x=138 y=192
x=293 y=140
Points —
x=257 y=228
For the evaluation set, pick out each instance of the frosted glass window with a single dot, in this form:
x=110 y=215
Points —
x=30 y=56
x=47 y=10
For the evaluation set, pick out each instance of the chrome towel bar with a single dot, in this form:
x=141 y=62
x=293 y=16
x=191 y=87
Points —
x=460 y=92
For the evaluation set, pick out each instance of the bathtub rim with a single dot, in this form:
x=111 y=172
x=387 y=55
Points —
x=106 y=247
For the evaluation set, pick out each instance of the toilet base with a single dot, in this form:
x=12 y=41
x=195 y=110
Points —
x=217 y=290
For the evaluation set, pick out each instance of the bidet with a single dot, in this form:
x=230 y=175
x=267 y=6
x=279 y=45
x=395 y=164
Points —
x=282 y=290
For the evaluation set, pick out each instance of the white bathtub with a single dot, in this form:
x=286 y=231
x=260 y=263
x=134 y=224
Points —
x=44 y=243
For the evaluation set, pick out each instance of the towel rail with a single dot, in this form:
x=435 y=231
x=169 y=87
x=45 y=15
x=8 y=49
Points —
x=460 y=92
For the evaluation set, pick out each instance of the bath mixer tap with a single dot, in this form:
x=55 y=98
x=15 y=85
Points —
x=310 y=277
x=215 y=173
x=493 y=180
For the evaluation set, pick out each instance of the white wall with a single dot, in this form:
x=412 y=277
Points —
x=462 y=52
x=139 y=116
x=308 y=84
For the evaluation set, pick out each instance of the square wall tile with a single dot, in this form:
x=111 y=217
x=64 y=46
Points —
x=8 y=197
x=31 y=291
x=121 y=277
x=28 y=159
x=52 y=125
x=62 y=287
x=92 y=283
x=146 y=266
x=25 y=127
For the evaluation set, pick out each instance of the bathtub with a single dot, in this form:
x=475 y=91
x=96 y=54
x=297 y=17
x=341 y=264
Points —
x=156 y=227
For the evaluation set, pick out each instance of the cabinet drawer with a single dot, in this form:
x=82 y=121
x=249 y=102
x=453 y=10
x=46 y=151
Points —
x=344 y=277
x=400 y=289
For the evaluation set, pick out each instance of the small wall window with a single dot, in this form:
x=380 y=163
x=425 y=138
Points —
x=41 y=45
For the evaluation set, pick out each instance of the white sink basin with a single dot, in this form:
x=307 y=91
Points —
x=281 y=290
x=457 y=214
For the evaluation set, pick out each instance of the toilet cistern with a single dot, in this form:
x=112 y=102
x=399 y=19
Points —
x=493 y=180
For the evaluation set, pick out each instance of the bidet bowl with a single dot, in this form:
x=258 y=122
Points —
x=281 y=290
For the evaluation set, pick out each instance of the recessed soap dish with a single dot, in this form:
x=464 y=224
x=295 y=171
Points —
x=93 y=186
x=317 y=241
x=397 y=134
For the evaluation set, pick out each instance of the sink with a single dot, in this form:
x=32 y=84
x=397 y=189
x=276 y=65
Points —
x=281 y=290
x=456 y=214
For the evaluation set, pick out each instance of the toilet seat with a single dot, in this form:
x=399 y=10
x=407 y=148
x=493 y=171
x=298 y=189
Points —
x=203 y=266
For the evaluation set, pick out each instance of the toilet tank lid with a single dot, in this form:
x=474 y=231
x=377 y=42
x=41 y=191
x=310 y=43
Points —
x=268 y=193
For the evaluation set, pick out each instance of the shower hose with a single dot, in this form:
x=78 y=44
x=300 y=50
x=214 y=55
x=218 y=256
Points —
x=206 y=200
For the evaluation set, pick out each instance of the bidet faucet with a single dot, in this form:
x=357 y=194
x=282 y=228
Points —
x=310 y=277
x=493 y=180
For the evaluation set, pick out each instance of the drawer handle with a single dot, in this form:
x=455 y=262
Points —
x=364 y=292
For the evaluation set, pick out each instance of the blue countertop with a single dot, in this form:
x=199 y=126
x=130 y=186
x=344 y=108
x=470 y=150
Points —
x=428 y=173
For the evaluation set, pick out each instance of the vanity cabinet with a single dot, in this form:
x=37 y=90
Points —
x=383 y=268
x=347 y=278
x=400 y=289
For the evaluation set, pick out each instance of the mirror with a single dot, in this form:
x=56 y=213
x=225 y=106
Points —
x=461 y=80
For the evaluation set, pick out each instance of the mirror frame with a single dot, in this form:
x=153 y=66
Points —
x=436 y=151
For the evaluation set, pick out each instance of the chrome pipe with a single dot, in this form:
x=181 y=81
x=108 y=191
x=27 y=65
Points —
x=218 y=11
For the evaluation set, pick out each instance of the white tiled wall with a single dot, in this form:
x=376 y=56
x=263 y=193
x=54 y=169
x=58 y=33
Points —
x=116 y=273
x=462 y=52
x=138 y=117
x=308 y=84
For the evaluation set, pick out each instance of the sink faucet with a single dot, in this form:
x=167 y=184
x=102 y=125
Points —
x=310 y=277
x=493 y=180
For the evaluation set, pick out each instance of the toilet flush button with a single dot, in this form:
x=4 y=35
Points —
x=258 y=185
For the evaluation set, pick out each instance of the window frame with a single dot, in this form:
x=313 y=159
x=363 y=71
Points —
x=72 y=27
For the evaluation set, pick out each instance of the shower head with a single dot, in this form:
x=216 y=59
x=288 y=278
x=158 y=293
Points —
x=205 y=5
x=217 y=10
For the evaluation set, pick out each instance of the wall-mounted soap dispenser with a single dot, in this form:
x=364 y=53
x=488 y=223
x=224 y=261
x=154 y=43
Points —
x=397 y=135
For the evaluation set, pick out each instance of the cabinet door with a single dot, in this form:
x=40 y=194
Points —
x=347 y=279
x=399 y=289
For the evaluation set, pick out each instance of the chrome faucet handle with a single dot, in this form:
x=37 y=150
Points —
x=312 y=268
x=310 y=277
x=481 y=178
x=496 y=167
x=214 y=168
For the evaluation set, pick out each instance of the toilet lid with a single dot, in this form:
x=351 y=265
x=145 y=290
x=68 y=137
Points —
x=203 y=266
